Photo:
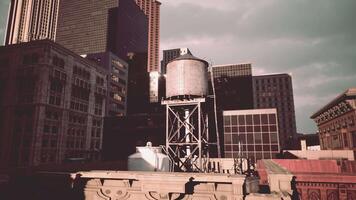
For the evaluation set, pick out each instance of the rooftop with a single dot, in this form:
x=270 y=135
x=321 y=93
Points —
x=348 y=94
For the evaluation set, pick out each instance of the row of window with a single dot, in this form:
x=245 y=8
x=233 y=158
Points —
x=250 y=119
x=252 y=155
x=116 y=79
x=79 y=106
x=343 y=122
x=244 y=148
x=96 y=122
x=81 y=72
x=256 y=138
x=272 y=80
x=81 y=83
x=250 y=129
x=77 y=119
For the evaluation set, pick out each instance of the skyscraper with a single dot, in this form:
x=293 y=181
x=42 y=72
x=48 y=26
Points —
x=127 y=30
x=152 y=10
x=276 y=91
x=233 y=86
x=117 y=70
x=83 y=25
x=31 y=20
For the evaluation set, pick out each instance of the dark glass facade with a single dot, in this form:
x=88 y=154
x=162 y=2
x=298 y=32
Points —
x=233 y=91
x=233 y=86
x=83 y=25
x=127 y=30
x=251 y=134
x=138 y=84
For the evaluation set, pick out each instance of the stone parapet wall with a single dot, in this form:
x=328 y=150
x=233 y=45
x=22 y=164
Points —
x=159 y=185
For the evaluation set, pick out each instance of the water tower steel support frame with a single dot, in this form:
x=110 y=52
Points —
x=187 y=137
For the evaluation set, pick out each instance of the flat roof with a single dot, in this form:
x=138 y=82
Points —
x=250 y=111
x=236 y=64
x=272 y=74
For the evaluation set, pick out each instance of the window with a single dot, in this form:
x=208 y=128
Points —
x=227 y=120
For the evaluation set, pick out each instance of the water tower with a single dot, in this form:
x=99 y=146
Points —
x=187 y=137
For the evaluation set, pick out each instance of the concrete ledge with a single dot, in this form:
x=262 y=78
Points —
x=279 y=178
x=160 y=185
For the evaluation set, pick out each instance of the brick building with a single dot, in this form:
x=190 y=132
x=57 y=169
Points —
x=336 y=122
x=312 y=179
x=51 y=103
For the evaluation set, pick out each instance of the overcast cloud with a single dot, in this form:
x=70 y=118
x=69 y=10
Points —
x=314 y=40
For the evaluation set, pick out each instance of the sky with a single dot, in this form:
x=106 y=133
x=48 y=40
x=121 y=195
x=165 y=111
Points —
x=313 y=40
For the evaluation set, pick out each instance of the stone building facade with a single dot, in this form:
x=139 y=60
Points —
x=51 y=103
x=336 y=122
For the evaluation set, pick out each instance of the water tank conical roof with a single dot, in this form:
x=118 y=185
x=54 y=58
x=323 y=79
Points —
x=189 y=56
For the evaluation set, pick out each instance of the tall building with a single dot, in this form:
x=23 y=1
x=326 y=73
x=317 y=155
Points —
x=276 y=91
x=117 y=69
x=127 y=30
x=31 y=20
x=251 y=133
x=171 y=54
x=138 y=84
x=233 y=86
x=336 y=122
x=152 y=10
x=52 y=105
x=83 y=25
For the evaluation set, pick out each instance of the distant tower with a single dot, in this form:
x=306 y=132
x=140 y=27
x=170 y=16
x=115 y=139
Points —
x=187 y=138
x=31 y=20
x=83 y=26
x=276 y=91
x=152 y=10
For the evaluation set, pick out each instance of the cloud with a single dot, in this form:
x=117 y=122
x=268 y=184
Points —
x=223 y=5
x=313 y=40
